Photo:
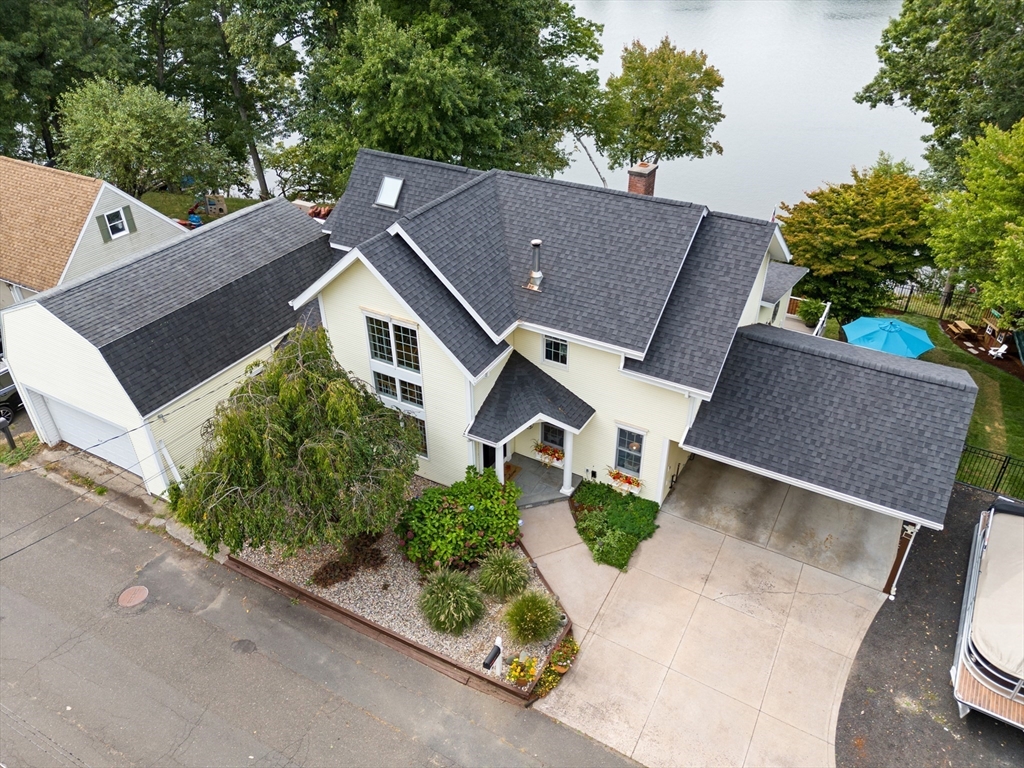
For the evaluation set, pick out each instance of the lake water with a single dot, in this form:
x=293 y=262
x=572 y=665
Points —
x=791 y=68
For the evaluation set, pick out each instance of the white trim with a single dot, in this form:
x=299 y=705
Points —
x=23 y=287
x=604 y=347
x=675 y=280
x=16 y=293
x=124 y=223
x=663 y=469
x=155 y=455
x=170 y=462
x=615 y=454
x=135 y=200
x=491 y=366
x=695 y=393
x=273 y=343
x=81 y=233
x=345 y=248
x=470 y=414
x=768 y=304
x=323 y=314
x=691 y=416
x=538 y=418
x=544 y=351
x=396 y=228
x=324 y=280
x=839 y=496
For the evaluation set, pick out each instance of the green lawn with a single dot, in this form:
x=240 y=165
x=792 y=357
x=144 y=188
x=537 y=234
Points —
x=998 y=421
x=176 y=206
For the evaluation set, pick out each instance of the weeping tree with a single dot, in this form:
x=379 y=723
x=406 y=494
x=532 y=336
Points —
x=300 y=454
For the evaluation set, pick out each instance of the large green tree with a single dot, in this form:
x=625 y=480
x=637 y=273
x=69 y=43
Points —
x=661 y=106
x=47 y=47
x=300 y=454
x=138 y=139
x=481 y=84
x=857 y=237
x=960 y=63
x=978 y=230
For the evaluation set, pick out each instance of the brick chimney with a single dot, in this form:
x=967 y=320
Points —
x=641 y=178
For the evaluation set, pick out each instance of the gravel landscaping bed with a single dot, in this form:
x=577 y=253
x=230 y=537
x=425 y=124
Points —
x=389 y=596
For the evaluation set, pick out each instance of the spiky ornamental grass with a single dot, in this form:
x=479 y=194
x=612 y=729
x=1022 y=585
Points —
x=299 y=454
x=532 y=617
x=503 y=574
x=451 y=602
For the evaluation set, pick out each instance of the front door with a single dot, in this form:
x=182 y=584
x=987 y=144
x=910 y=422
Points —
x=489 y=454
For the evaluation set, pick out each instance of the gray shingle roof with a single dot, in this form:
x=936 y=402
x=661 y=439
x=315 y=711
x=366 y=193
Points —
x=355 y=218
x=873 y=426
x=171 y=318
x=780 y=279
x=432 y=302
x=609 y=258
x=693 y=338
x=521 y=392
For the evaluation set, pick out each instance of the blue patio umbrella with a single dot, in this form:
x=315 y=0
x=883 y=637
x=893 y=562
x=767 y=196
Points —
x=888 y=335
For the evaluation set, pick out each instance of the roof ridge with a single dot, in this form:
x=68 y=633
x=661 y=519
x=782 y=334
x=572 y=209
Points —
x=738 y=217
x=831 y=349
x=423 y=160
x=37 y=166
x=601 y=190
x=449 y=195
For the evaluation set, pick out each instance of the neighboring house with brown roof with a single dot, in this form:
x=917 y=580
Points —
x=56 y=226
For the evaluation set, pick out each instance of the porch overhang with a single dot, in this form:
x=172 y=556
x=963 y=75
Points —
x=522 y=396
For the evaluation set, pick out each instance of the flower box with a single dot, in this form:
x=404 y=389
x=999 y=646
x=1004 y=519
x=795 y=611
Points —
x=548 y=461
x=623 y=482
x=549 y=455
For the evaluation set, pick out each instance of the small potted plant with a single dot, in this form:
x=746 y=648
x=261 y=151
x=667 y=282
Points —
x=625 y=482
x=548 y=454
x=522 y=671
x=562 y=657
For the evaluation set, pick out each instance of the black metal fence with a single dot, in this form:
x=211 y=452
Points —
x=992 y=471
x=958 y=306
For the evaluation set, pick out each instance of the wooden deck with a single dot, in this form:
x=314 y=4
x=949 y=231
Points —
x=978 y=696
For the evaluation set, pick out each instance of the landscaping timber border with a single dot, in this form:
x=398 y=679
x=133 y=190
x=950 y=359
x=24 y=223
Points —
x=457 y=671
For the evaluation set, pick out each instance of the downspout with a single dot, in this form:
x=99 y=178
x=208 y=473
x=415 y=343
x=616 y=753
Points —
x=906 y=540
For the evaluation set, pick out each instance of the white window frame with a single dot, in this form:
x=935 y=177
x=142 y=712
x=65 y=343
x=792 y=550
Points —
x=552 y=426
x=393 y=370
x=615 y=450
x=544 y=350
x=124 y=223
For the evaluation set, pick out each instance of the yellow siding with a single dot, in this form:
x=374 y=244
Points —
x=752 y=308
x=179 y=423
x=444 y=385
x=593 y=375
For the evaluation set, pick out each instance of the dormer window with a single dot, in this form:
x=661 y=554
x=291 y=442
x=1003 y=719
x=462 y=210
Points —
x=390 y=189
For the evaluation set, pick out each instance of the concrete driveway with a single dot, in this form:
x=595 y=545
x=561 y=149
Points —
x=712 y=649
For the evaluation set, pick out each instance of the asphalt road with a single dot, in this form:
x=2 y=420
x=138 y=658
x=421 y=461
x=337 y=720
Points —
x=213 y=670
x=898 y=708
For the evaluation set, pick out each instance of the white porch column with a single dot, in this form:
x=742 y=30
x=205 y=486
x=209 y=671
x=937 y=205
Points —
x=567 y=465
x=499 y=462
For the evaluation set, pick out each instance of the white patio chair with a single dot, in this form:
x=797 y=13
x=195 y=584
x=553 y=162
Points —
x=998 y=352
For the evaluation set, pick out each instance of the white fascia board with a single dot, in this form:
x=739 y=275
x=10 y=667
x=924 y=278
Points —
x=777 y=235
x=81 y=233
x=837 y=495
x=396 y=229
x=136 y=201
x=272 y=343
x=497 y=361
x=342 y=248
x=768 y=304
x=700 y=395
x=324 y=280
x=582 y=340
x=412 y=313
x=675 y=280
x=538 y=418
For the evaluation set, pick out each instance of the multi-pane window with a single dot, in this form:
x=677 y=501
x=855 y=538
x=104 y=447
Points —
x=380 y=339
x=556 y=350
x=628 y=451
x=422 y=426
x=412 y=393
x=407 y=351
x=116 y=223
x=552 y=435
x=385 y=385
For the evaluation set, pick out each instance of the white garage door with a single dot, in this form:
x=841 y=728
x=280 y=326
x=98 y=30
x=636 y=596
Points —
x=94 y=435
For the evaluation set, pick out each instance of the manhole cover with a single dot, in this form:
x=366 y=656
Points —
x=132 y=597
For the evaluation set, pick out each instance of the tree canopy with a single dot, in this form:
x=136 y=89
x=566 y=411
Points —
x=978 y=230
x=958 y=62
x=137 y=139
x=661 y=106
x=857 y=237
x=300 y=454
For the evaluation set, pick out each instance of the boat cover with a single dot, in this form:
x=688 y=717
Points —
x=997 y=628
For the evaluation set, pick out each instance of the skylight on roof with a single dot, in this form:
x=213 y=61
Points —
x=390 y=188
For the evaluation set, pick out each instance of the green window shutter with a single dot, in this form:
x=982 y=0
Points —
x=128 y=218
x=104 y=229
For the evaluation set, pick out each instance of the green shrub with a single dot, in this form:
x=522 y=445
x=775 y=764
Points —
x=592 y=525
x=593 y=495
x=633 y=515
x=451 y=602
x=615 y=548
x=456 y=526
x=532 y=617
x=810 y=311
x=503 y=573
